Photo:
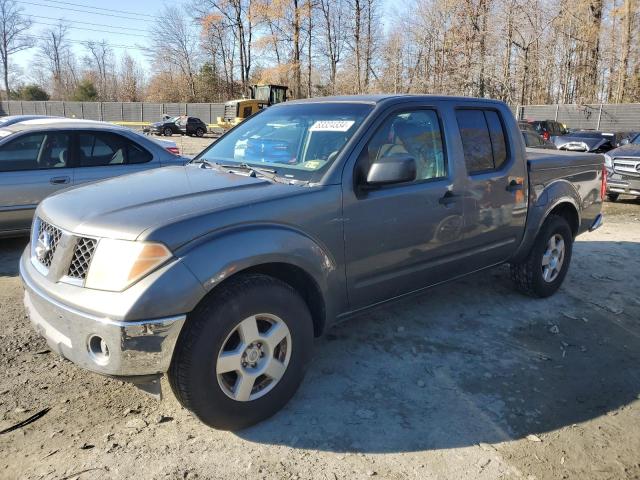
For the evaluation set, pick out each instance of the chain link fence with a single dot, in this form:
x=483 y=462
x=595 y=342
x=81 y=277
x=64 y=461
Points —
x=615 y=117
x=122 y=112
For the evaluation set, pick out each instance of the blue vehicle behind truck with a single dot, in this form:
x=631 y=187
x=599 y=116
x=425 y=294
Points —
x=220 y=273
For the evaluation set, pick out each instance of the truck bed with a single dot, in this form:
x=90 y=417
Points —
x=539 y=159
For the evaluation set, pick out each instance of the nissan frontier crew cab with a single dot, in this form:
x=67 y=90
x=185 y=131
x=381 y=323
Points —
x=220 y=273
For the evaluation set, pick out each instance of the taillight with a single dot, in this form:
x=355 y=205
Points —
x=546 y=135
x=603 y=183
x=174 y=150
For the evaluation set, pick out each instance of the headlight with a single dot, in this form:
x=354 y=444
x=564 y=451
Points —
x=608 y=161
x=116 y=264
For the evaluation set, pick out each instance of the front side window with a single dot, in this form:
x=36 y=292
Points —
x=413 y=133
x=483 y=140
x=35 y=151
x=299 y=141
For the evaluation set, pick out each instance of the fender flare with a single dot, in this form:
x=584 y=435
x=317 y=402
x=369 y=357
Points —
x=555 y=194
x=224 y=253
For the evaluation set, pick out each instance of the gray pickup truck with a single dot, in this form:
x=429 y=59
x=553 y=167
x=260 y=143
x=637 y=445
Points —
x=221 y=273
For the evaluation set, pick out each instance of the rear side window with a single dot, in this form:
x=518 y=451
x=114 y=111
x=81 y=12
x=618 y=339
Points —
x=483 y=139
x=102 y=149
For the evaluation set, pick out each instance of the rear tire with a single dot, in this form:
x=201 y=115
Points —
x=612 y=197
x=199 y=132
x=541 y=273
x=220 y=330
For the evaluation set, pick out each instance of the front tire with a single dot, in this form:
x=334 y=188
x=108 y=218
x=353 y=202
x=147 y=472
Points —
x=243 y=352
x=167 y=132
x=541 y=273
x=612 y=197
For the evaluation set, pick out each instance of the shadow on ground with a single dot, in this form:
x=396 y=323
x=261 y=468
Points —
x=464 y=363
x=473 y=361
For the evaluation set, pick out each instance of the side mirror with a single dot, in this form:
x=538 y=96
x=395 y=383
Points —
x=624 y=141
x=398 y=168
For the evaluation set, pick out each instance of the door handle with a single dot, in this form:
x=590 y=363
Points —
x=515 y=185
x=59 y=180
x=448 y=198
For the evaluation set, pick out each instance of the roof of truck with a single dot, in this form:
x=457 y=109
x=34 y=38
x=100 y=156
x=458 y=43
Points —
x=388 y=97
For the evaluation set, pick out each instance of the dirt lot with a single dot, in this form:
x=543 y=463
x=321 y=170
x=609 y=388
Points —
x=471 y=380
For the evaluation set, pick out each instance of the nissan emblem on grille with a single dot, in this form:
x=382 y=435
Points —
x=43 y=246
x=46 y=243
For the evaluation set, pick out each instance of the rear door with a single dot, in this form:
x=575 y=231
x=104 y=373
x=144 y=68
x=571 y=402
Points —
x=102 y=155
x=32 y=166
x=495 y=187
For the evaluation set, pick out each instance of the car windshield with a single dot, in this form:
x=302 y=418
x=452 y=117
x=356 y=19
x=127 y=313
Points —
x=636 y=141
x=298 y=141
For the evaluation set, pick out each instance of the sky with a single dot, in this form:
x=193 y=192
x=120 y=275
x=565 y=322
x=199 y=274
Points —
x=123 y=23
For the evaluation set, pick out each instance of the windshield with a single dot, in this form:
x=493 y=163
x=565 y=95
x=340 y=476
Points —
x=297 y=141
x=636 y=141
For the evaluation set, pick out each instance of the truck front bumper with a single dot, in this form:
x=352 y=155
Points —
x=617 y=183
x=102 y=345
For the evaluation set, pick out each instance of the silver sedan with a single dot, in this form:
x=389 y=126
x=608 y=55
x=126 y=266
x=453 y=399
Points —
x=41 y=156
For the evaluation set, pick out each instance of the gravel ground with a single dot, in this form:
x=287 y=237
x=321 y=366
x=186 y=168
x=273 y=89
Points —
x=190 y=146
x=470 y=380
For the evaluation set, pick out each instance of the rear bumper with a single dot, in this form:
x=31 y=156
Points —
x=135 y=348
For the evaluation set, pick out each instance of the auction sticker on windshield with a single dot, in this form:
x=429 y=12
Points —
x=331 y=125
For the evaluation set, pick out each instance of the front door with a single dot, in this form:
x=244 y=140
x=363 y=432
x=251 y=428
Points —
x=400 y=238
x=33 y=166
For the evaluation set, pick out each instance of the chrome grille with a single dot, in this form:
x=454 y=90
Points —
x=82 y=258
x=626 y=166
x=54 y=235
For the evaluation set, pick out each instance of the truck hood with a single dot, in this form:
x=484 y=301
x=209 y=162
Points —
x=629 y=150
x=128 y=206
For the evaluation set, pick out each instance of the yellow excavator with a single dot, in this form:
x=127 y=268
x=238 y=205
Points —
x=261 y=96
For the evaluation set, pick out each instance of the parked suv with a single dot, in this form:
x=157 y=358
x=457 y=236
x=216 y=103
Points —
x=548 y=128
x=623 y=170
x=221 y=273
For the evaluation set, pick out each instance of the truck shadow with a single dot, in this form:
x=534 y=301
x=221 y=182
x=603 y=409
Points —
x=473 y=361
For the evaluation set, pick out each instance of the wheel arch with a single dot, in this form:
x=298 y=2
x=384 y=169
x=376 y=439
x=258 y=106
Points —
x=281 y=253
x=559 y=198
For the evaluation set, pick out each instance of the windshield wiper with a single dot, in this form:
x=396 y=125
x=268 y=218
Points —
x=203 y=163
x=254 y=171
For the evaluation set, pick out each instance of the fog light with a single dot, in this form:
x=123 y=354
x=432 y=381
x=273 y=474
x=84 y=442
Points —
x=98 y=349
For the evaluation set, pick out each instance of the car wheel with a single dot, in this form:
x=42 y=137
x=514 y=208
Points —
x=242 y=352
x=167 y=132
x=612 y=197
x=199 y=132
x=544 y=269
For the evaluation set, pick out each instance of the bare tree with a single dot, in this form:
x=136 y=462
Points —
x=13 y=27
x=174 y=43
x=333 y=39
x=55 y=53
x=100 y=59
